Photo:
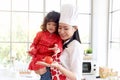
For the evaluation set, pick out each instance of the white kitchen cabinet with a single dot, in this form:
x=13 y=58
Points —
x=89 y=77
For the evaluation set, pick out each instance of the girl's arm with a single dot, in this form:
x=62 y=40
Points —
x=56 y=49
x=35 y=42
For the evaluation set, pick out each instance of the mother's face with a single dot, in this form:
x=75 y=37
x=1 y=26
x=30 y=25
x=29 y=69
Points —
x=65 y=31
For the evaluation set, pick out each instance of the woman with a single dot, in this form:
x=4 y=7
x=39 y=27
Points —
x=72 y=55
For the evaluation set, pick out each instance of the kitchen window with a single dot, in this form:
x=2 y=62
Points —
x=114 y=35
x=20 y=20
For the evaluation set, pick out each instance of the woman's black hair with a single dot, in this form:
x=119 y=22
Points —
x=74 y=37
x=52 y=16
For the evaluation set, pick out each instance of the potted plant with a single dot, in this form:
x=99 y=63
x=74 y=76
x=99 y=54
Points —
x=88 y=51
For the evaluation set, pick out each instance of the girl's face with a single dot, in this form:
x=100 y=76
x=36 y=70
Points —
x=65 y=31
x=51 y=27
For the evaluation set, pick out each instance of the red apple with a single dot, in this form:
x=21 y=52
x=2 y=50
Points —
x=48 y=59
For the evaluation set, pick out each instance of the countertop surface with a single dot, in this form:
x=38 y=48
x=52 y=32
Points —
x=6 y=74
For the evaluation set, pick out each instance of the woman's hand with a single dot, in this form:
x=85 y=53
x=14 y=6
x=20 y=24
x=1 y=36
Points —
x=55 y=48
x=43 y=63
x=53 y=64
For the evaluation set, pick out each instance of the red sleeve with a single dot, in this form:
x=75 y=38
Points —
x=36 y=40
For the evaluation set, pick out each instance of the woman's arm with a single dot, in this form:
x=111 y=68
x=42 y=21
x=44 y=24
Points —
x=63 y=70
x=72 y=58
x=75 y=57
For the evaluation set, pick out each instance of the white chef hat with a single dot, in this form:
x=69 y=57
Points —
x=69 y=15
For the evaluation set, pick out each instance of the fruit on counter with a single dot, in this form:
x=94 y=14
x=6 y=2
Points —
x=48 y=59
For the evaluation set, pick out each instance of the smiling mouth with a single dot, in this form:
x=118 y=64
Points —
x=51 y=29
x=63 y=36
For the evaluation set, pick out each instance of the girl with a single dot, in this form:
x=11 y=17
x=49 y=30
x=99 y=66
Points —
x=72 y=55
x=45 y=39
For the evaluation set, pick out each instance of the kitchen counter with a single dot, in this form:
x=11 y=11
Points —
x=6 y=74
x=93 y=77
x=114 y=78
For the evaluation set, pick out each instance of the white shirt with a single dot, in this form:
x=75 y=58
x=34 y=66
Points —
x=72 y=58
